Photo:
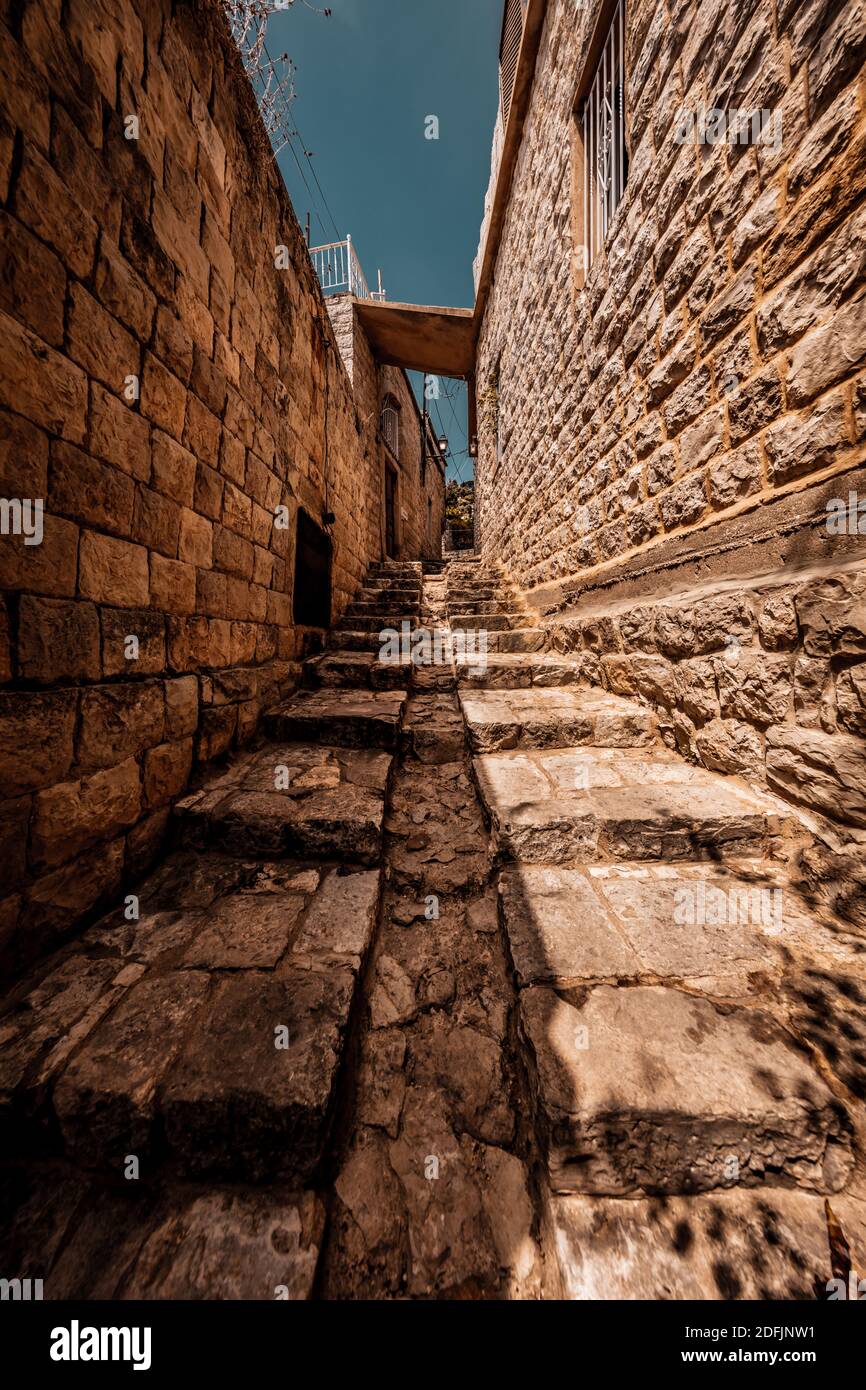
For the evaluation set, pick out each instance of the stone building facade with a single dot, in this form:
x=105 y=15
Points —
x=171 y=393
x=417 y=468
x=671 y=437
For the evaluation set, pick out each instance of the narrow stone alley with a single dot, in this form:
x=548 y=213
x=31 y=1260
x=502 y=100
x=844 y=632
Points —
x=459 y=983
x=385 y=919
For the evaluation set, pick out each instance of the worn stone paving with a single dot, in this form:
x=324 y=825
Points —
x=464 y=988
x=433 y=1192
x=432 y=1195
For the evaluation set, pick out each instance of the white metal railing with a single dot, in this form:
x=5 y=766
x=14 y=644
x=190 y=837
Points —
x=604 y=139
x=340 y=271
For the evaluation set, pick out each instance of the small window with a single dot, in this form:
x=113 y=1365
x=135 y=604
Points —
x=602 y=128
x=389 y=424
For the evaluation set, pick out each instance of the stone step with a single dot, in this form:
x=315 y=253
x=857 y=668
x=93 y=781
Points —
x=390 y=594
x=297 y=799
x=410 y=570
x=363 y=622
x=554 y=717
x=521 y=668
x=596 y=805
x=434 y=731
x=478 y=582
x=476 y=591
x=358 y=668
x=492 y=622
x=648 y=1090
x=395 y=580
x=341 y=718
x=100 y=1240
x=162 y=1037
x=482 y=606
x=774 y=1243
x=381 y=609
x=518 y=640
x=732 y=929
x=348 y=640
x=374 y=587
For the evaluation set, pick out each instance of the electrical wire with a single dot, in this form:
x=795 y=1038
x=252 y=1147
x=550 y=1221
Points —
x=291 y=135
x=318 y=185
x=451 y=455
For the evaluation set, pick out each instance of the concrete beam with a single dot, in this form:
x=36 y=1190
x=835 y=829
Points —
x=420 y=337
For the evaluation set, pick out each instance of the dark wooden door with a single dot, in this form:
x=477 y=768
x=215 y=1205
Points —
x=313 y=561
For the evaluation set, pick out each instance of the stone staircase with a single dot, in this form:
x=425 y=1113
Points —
x=200 y=1031
x=666 y=971
x=687 y=1028
x=481 y=597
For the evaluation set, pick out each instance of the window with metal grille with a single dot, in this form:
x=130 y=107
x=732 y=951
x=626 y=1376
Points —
x=389 y=424
x=509 y=52
x=605 y=157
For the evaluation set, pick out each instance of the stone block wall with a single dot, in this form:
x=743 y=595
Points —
x=420 y=491
x=765 y=679
x=762 y=677
x=714 y=357
x=165 y=389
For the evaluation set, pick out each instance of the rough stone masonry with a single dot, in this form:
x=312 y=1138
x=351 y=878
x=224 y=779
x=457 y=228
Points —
x=671 y=438
x=173 y=399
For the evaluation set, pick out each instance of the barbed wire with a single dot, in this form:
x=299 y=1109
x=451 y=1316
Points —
x=272 y=79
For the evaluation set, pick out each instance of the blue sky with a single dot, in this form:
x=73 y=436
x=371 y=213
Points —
x=367 y=78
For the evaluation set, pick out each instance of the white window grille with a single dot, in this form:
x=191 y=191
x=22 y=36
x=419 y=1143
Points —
x=390 y=425
x=605 y=159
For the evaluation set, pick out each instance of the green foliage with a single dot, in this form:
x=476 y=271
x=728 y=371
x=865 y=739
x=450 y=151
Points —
x=460 y=503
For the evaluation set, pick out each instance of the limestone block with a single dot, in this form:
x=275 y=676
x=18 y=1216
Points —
x=71 y=816
x=38 y=731
x=726 y=745
x=777 y=622
x=832 y=615
x=755 y=688
x=647 y=1089
x=851 y=699
x=825 y=771
x=58 y=640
